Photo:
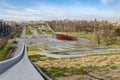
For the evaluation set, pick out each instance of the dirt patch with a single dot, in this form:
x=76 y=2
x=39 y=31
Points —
x=10 y=53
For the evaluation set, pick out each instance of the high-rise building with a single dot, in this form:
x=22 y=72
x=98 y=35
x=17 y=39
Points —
x=6 y=27
x=11 y=23
x=2 y=26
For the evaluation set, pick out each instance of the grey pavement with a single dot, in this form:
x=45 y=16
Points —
x=35 y=33
x=46 y=53
x=23 y=70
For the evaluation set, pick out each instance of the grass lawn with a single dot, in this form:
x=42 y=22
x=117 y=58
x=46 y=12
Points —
x=39 y=31
x=97 y=60
x=28 y=32
x=99 y=65
x=34 y=56
x=90 y=36
x=5 y=50
x=65 y=69
x=49 y=32
x=36 y=48
x=55 y=52
x=33 y=48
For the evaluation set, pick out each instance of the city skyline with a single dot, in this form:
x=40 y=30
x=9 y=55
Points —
x=27 y=10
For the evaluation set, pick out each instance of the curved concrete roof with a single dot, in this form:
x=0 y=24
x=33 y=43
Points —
x=23 y=70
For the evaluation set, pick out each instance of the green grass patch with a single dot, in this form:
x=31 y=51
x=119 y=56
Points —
x=5 y=50
x=58 y=74
x=51 y=70
x=90 y=36
x=49 y=32
x=92 y=68
x=35 y=57
x=36 y=48
x=33 y=48
x=104 y=68
x=38 y=57
x=39 y=31
x=49 y=58
x=55 y=52
x=80 y=70
x=61 y=71
x=113 y=67
x=28 y=31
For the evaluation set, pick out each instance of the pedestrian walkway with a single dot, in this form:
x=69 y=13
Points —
x=22 y=70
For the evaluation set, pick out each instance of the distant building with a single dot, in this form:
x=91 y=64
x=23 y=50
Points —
x=2 y=26
x=6 y=27
x=11 y=23
x=42 y=22
x=43 y=28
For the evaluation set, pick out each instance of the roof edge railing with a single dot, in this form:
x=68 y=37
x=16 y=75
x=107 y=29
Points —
x=6 y=64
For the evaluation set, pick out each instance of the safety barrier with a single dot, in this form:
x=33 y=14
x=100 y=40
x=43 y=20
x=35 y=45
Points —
x=6 y=64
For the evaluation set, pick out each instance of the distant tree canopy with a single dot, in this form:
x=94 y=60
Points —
x=104 y=30
x=117 y=31
x=33 y=24
x=80 y=26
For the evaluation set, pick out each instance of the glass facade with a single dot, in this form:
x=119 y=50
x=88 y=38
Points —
x=1 y=26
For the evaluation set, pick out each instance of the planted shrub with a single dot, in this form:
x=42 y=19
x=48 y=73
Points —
x=35 y=57
x=104 y=68
x=58 y=74
x=65 y=37
x=51 y=70
x=39 y=31
x=28 y=32
x=92 y=68
x=5 y=50
x=79 y=70
x=113 y=67
x=3 y=41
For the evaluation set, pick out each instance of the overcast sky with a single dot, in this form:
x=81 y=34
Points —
x=60 y=9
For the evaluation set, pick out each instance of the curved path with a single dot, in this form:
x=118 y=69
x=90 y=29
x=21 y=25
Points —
x=61 y=56
x=22 y=70
x=46 y=53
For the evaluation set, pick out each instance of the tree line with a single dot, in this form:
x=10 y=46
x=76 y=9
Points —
x=103 y=29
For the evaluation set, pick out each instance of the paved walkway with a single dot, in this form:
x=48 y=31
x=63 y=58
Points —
x=45 y=53
x=23 y=70
x=35 y=33
x=61 y=56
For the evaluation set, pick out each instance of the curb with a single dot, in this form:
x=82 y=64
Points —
x=45 y=76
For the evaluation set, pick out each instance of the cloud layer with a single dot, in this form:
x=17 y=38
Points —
x=41 y=11
x=105 y=1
